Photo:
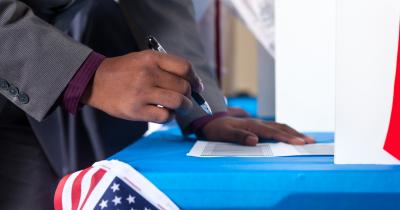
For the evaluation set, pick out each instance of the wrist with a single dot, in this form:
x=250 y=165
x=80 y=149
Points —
x=90 y=95
x=198 y=125
x=77 y=87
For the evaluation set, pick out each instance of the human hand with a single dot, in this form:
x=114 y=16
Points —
x=247 y=131
x=132 y=86
x=237 y=112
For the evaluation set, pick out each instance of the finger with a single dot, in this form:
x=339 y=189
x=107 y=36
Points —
x=182 y=68
x=157 y=114
x=266 y=131
x=288 y=129
x=166 y=80
x=242 y=136
x=288 y=138
x=169 y=99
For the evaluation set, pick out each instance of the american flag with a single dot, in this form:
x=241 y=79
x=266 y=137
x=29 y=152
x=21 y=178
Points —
x=109 y=185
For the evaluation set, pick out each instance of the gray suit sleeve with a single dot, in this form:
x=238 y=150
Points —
x=36 y=61
x=172 y=23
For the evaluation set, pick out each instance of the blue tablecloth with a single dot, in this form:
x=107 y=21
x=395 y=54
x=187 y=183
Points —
x=308 y=182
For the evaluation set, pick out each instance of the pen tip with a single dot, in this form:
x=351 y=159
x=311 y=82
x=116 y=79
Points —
x=206 y=108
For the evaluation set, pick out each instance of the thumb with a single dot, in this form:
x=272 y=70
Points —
x=245 y=137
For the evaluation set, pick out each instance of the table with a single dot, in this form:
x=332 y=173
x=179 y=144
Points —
x=307 y=182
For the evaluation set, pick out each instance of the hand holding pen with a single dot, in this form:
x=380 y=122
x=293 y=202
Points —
x=153 y=44
x=143 y=86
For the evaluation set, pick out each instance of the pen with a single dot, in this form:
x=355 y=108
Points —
x=153 y=44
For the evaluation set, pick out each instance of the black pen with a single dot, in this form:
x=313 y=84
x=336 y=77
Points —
x=153 y=44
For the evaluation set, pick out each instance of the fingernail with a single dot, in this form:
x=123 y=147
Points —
x=251 y=140
x=311 y=139
x=201 y=85
x=300 y=140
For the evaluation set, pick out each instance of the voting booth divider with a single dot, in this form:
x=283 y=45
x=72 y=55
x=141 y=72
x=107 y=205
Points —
x=305 y=64
x=335 y=70
x=367 y=107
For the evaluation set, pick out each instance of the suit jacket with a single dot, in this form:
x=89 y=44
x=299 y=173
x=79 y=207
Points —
x=38 y=60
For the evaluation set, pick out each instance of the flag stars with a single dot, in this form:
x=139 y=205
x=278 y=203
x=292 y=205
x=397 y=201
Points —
x=116 y=200
x=115 y=187
x=103 y=204
x=145 y=208
x=130 y=199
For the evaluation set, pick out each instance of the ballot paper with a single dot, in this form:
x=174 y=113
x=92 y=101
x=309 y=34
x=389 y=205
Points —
x=220 y=149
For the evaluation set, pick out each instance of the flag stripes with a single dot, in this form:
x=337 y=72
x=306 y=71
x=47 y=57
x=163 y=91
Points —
x=109 y=185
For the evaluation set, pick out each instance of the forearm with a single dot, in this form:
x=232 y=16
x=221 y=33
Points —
x=37 y=60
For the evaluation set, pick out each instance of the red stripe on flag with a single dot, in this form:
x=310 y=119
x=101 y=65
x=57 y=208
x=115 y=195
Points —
x=76 y=189
x=392 y=143
x=58 y=194
x=95 y=180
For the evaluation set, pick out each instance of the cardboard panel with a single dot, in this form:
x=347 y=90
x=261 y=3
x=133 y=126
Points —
x=366 y=55
x=305 y=58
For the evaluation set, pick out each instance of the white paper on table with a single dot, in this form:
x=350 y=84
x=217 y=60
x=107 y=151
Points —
x=221 y=149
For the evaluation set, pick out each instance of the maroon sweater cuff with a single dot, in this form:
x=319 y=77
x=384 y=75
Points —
x=77 y=86
x=197 y=126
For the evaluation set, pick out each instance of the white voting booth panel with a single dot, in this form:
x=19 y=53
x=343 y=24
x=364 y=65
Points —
x=266 y=83
x=366 y=54
x=304 y=68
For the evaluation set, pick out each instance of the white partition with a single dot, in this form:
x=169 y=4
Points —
x=266 y=83
x=367 y=41
x=305 y=58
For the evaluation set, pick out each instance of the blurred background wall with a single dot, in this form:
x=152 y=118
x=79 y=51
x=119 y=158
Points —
x=239 y=50
x=238 y=47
